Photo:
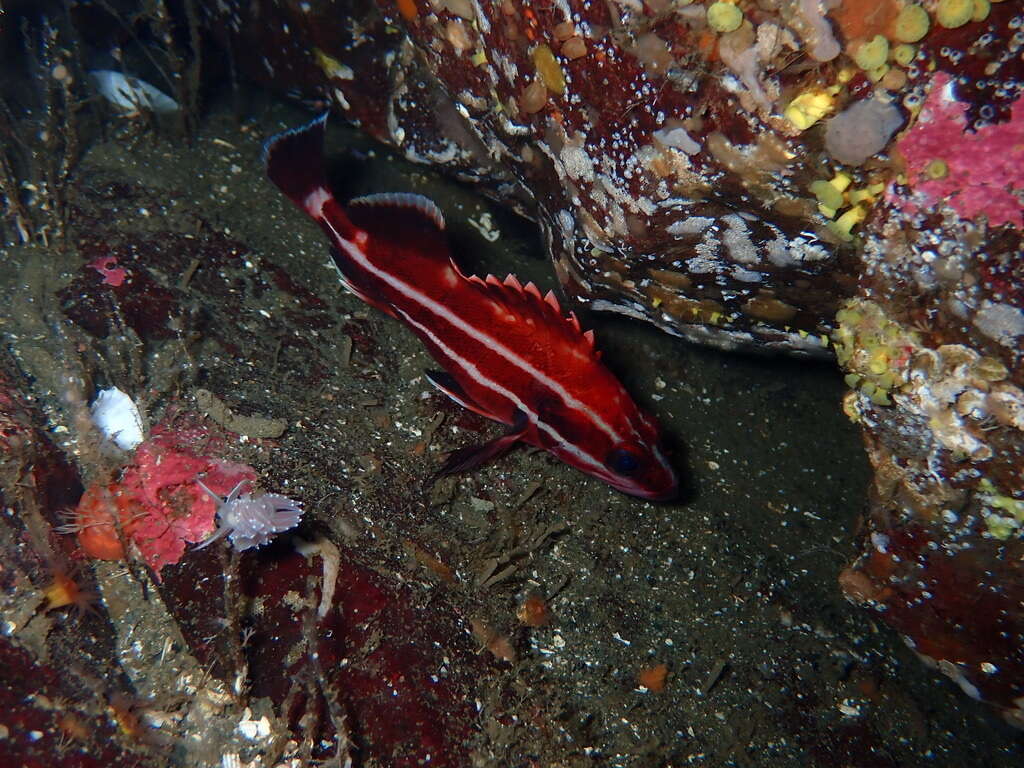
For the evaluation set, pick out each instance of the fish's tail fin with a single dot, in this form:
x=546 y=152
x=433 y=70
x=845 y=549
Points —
x=294 y=160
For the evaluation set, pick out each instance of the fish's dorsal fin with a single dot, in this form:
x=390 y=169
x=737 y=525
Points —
x=526 y=300
x=419 y=203
x=552 y=301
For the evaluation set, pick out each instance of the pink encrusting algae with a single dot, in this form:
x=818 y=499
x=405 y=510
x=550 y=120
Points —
x=974 y=172
x=161 y=508
x=111 y=273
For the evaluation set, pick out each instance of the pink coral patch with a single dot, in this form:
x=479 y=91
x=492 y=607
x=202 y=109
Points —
x=162 y=482
x=112 y=275
x=985 y=168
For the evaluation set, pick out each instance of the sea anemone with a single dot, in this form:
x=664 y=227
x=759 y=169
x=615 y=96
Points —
x=67 y=589
x=251 y=521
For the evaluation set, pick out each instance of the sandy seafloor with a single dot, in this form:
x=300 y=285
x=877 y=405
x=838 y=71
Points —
x=734 y=589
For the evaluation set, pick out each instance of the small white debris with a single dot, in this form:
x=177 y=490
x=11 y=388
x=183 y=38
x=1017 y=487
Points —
x=254 y=729
x=485 y=226
x=1001 y=322
x=129 y=94
x=117 y=417
x=849 y=708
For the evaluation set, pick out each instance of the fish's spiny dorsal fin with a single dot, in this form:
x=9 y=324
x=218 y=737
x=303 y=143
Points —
x=527 y=302
x=423 y=205
x=552 y=301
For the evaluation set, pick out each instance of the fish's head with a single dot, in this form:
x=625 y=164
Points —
x=641 y=469
x=625 y=453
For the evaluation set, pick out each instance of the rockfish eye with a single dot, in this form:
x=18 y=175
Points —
x=624 y=461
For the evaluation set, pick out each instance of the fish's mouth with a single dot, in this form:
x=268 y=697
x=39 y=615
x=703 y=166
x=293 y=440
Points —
x=659 y=494
x=669 y=495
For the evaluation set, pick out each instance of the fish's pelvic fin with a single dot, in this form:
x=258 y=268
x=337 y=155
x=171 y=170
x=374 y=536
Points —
x=465 y=459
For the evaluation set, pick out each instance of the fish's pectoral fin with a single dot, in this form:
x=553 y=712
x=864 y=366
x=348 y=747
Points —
x=471 y=457
x=445 y=382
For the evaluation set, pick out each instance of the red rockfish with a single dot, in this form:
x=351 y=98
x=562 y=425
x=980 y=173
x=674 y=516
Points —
x=508 y=353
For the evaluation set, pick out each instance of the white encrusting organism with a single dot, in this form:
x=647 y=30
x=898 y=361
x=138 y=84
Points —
x=115 y=415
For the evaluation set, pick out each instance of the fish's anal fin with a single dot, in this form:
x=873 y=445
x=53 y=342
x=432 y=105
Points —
x=419 y=203
x=446 y=383
x=474 y=456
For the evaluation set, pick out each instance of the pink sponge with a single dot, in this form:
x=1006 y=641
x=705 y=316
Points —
x=162 y=509
x=985 y=168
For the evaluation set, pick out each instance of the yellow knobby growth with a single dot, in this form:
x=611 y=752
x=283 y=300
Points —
x=954 y=13
x=724 y=17
x=866 y=194
x=843 y=226
x=904 y=54
x=549 y=69
x=911 y=24
x=809 y=107
x=841 y=181
x=828 y=195
x=871 y=54
x=1004 y=514
x=873 y=350
x=937 y=169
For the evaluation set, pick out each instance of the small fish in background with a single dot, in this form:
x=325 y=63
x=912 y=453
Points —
x=130 y=94
x=508 y=352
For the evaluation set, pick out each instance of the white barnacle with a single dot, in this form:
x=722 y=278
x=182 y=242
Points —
x=251 y=521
